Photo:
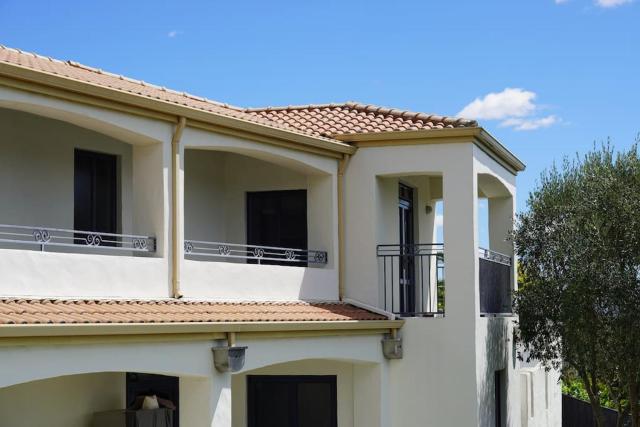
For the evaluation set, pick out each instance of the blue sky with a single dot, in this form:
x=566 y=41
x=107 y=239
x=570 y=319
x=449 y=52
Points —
x=548 y=77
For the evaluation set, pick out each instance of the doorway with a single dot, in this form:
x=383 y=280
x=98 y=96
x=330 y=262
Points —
x=292 y=401
x=407 y=250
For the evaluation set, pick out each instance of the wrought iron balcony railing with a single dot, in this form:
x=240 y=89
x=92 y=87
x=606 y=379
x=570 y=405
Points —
x=254 y=254
x=44 y=237
x=412 y=279
x=495 y=277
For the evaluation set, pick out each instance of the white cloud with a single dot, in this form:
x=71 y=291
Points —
x=171 y=34
x=514 y=107
x=439 y=220
x=511 y=102
x=561 y=1
x=530 y=123
x=611 y=3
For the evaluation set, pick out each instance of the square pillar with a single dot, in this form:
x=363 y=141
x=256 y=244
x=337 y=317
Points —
x=220 y=400
x=460 y=233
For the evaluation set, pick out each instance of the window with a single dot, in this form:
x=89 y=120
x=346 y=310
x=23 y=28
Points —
x=278 y=219
x=292 y=401
x=95 y=193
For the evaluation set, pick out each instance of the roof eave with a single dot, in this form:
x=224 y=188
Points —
x=37 y=77
x=177 y=328
x=482 y=137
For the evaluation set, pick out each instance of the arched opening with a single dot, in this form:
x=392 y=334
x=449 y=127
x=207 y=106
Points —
x=107 y=399
x=72 y=189
x=271 y=216
x=410 y=249
x=76 y=188
x=495 y=222
x=321 y=391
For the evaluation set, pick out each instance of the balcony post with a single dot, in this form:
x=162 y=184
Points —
x=457 y=332
x=460 y=233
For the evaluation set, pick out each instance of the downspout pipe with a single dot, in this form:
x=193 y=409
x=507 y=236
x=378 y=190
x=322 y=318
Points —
x=342 y=167
x=175 y=211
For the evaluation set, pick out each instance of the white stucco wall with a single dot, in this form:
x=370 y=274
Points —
x=540 y=397
x=67 y=401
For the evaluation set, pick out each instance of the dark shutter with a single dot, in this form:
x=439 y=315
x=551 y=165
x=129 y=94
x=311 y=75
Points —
x=278 y=219
x=95 y=192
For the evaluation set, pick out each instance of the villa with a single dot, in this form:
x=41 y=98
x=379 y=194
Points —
x=301 y=266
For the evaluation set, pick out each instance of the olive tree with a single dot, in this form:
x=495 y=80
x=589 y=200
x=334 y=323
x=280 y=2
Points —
x=578 y=245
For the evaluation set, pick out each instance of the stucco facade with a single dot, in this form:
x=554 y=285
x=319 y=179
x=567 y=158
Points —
x=453 y=353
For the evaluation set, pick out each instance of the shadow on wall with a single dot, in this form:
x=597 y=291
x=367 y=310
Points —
x=493 y=398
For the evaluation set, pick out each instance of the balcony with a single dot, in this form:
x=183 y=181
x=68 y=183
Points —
x=412 y=279
x=413 y=282
x=495 y=277
x=257 y=227
x=82 y=212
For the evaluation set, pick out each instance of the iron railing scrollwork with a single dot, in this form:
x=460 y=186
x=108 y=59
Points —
x=254 y=253
x=495 y=280
x=412 y=279
x=59 y=237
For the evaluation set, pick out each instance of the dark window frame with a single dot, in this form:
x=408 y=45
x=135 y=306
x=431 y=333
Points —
x=254 y=236
x=291 y=380
x=112 y=200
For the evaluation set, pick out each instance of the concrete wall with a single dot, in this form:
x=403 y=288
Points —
x=67 y=401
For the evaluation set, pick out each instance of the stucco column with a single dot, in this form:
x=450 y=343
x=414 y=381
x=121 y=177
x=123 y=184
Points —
x=220 y=399
x=461 y=287
x=151 y=198
x=460 y=241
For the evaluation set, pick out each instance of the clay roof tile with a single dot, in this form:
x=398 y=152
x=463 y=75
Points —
x=60 y=311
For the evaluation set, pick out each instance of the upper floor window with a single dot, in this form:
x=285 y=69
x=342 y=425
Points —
x=95 y=192
x=277 y=219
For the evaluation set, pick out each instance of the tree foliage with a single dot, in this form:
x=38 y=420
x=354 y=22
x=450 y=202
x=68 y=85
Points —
x=579 y=255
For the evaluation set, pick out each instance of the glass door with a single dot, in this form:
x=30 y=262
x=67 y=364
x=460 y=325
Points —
x=407 y=261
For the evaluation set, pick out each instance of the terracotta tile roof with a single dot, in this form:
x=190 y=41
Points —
x=353 y=118
x=322 y=120
x=76 y=71
x=59 y=311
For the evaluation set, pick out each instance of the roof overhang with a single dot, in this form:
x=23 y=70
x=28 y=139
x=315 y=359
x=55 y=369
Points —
x=71 y=89
x=57 y=334
x=478 y=135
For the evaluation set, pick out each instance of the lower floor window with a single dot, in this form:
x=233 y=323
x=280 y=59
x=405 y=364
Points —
x=292 y=401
